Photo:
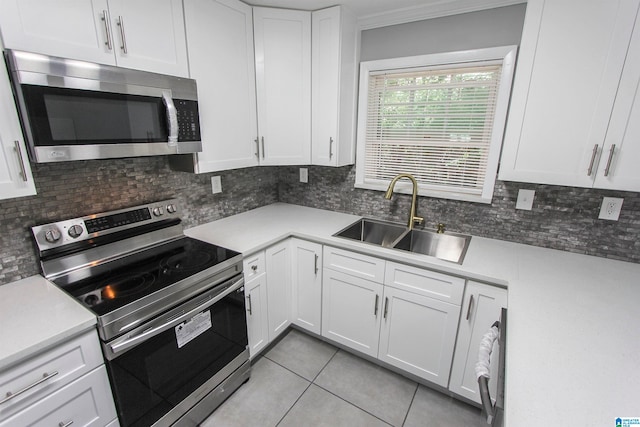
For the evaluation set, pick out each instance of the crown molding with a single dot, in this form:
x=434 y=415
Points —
x=429 y=11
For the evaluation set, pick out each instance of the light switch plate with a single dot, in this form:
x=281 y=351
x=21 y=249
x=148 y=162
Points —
x=216 y=185
x=610 y=208
x=525 y=199
x=304 y=175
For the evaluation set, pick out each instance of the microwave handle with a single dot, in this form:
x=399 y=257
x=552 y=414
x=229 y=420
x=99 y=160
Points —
x=172 y=118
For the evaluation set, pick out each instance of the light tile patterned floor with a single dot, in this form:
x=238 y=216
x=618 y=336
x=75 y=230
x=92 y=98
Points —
x=303 y=381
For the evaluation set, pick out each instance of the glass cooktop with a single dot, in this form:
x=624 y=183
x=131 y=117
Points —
x=128 y=279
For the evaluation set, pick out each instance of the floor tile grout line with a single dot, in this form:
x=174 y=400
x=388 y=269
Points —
x=415 y=393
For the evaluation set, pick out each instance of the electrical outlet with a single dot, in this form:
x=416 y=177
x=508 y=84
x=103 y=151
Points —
x=216 y=185
x=525 y=199
x=304 y=175
x=610 y=208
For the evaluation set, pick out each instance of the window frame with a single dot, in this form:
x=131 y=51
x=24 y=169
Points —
x=503 y=54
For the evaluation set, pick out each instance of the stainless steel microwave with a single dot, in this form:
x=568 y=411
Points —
x=76 y=110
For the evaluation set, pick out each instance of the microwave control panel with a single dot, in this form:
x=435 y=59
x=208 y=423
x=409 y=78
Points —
x=188 y=120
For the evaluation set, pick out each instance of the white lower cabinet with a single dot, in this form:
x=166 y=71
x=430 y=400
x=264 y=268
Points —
x=65 y=385
x=482 y=307
x=255 y=291
x=278 y=268
x=351 y=311
x=418 y=334
x=306 y=263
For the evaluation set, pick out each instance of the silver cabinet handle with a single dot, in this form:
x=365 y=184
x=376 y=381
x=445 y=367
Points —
x=469 y=308
x=254 y=268
x=249 y=309
x=608 y=167
x=123 y=46
x=63 y=424
x=316 y=264
x=107 y=30
x=593 y=159
x=23 y=171
x=44 y=378
x=375 y=306
x=386 y=307
x=257 y=141
x=263 y=147
x=330 y=147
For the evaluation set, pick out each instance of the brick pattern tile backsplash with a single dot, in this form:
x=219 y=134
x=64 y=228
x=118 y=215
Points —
x=562 y=217
x=73 y=189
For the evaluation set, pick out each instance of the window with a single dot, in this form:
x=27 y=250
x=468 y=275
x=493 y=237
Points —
x=438 y=117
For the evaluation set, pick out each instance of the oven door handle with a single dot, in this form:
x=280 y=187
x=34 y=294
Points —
x=171 y=321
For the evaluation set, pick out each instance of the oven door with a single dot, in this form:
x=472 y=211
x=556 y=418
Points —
x=179 y=356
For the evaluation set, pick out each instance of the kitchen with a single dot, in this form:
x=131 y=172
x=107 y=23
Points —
x=562 y=218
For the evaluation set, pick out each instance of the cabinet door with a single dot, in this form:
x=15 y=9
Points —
x=283 y=84
x=76 y=29
x=306 y=263
x=481 y=308
x=278 y=266
x=351 y=311
x=333 y=61
x=85 y=402
x=150 y=35
x=418 y=334
x=255 y=291
x=619 y=164
x=564 y=89
x=15 y=173
x=221 y=59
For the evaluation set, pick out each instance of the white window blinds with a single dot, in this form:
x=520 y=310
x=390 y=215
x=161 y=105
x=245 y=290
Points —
x=436 y=123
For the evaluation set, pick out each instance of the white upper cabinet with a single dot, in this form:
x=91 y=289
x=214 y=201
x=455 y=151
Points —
x=283 y=85
x=142 y=34
x=333 y=61
x=15 y=173
x=221 y=58
x=575 y=67
x=150 y=35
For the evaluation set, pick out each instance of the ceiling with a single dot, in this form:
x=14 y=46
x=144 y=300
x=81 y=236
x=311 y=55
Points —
x=372 y=13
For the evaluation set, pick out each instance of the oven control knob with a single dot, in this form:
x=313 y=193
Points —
x=171 y=208
x=158 y=211
x=52 y=235
x=75 y=231
x=91 y=299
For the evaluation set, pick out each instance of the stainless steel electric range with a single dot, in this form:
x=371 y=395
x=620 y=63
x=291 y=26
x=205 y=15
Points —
x=170 y=309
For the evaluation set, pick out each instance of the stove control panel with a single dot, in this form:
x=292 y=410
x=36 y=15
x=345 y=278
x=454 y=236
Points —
x=57 y=234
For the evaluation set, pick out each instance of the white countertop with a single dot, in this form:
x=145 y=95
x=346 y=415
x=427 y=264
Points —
x=573 y=352
x=34 y=315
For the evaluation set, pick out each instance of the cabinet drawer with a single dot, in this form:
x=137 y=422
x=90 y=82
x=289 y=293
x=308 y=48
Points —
x=354 y=264
x=86 y=401
x=424 y=282
x=61 y=365
x=253 y=265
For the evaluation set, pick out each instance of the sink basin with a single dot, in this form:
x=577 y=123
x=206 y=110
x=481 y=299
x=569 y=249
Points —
x=447 y=246
x=375 y=232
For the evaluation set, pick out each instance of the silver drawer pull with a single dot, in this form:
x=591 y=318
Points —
x=593 y=159
x=63 y=424
x=123 y=45
x=608 y=168
x=23 y=171
x=105 y=18
x=44 y=378
x=330 y=147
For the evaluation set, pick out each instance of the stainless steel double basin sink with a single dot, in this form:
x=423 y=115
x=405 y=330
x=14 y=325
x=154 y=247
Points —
x=446 y=246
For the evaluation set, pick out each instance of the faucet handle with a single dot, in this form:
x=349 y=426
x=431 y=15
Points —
x=441 y=227
x=418 y=219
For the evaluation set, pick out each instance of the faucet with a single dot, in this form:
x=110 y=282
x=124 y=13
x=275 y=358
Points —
x=413 y=218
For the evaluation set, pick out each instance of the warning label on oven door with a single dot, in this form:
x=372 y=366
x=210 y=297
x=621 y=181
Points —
x=187 y=331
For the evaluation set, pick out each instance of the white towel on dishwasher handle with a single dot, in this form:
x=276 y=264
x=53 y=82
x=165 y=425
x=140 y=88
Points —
x=484 y=352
